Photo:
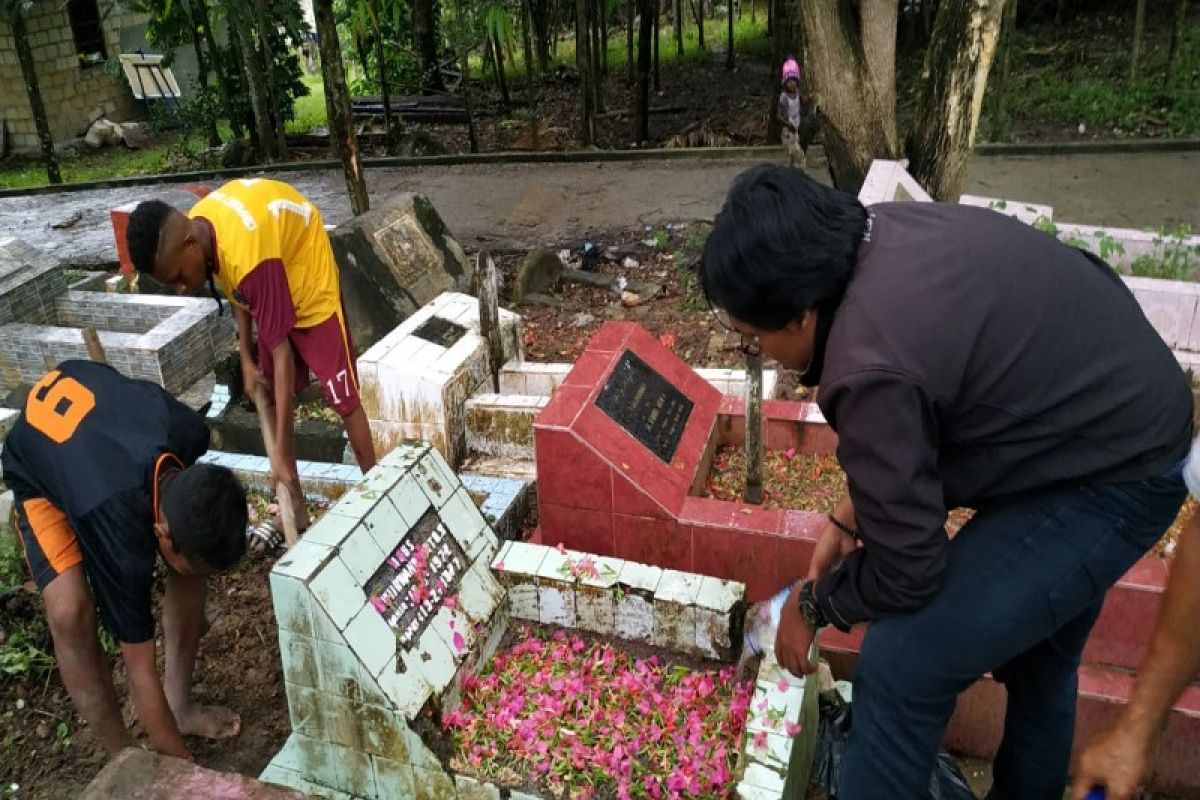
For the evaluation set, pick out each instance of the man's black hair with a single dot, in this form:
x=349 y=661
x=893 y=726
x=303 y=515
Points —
x=205 y=509
x=782 y=244
x=144 y=231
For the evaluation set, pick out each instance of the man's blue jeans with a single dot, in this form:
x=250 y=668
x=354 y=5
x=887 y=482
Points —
x=1024 y=584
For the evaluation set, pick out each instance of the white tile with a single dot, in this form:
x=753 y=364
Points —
x=362 y=556
x=775 y=752
x=719 y=595
x=634 y=619
x=479 y=593
x=337 y=591
x=556 y=605
x=595 y=610
x=640 y=577
x=523 y=602
x=369 y=636
x=407 y=690
x=291 y=600
x=764 y=778
x=678 y=587
x=303 y=560
x=521 y=558
x=385 y=525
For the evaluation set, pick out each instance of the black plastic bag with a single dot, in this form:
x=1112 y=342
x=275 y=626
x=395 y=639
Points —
x=946 y=783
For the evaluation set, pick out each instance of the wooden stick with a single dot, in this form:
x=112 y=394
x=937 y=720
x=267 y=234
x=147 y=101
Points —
x=489 y=314
x=754 y=430
x=95 y=350
x=283 y=492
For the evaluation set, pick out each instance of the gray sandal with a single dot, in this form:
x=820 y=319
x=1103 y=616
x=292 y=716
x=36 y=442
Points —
x=264 y=538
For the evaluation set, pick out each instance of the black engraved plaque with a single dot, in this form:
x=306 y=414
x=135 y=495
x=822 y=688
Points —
x=413 y=582
x=440 y=331
x=646 y=405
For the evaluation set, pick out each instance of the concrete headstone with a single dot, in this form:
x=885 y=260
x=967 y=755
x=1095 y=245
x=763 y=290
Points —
x=540 y=271
x=393 y=260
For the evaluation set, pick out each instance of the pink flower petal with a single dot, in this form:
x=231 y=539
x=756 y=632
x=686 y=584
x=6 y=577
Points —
x=793 y=728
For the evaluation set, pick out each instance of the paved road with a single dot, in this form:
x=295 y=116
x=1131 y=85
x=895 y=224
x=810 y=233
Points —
x=528 y=205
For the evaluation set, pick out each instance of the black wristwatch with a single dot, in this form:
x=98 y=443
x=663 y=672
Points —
x=809 y=609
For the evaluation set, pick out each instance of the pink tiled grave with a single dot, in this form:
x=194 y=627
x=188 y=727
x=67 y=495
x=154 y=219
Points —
x=402 y=590
x=624 y=448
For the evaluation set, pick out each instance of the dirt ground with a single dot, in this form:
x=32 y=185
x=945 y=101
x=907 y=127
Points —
x=520 y=206
x=238 y=666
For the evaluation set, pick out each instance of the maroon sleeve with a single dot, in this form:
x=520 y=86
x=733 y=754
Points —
x=269 y=298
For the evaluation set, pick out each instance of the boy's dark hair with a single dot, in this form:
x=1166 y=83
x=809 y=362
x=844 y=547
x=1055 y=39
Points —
x=205 y=509
x=144 y=231
x=782 y=244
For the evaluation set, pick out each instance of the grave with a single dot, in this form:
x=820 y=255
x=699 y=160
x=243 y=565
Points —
x=624 y=447
x=416 y=380
x=394 y=260
x=395 y=601
x=169 y=340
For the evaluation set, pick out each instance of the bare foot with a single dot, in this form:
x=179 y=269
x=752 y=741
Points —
x=211 y=722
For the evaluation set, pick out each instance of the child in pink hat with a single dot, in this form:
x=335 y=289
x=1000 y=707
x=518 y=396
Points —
x=789 y=113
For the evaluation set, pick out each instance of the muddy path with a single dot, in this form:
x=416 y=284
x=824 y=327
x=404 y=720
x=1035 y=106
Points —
x=525 y=205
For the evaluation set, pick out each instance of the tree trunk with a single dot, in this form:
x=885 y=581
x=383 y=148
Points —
x=878 y=19
x=1008 y=32
x=498 y=65
x=771 y=17
x=698 y=11
x=198 y=10
x=214 y=137
x=240 y=66
x=753 y=12
x=630 y=14
x=604 y=20
x=424 y=25
x=583 y=63
x=274 y=101
x=1139 y=27
x=657 y=37
x=951 y=94
x=1177 y=30
x=540 y=13
x=527 y=38
x=337 y=105
x=381 y=69
x=853 y=127
x=29 y=73
x=729 y=54
x=597 y=62
x=256 y=85
x=677 y=21
x=645 y=31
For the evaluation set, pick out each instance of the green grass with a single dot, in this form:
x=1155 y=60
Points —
x=309 y=110
x=102 y=165
x=1094 y=89
x=749 y=41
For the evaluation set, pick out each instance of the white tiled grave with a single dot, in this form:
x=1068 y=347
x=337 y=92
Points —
x=416 y=380
x=373 y=646
x=1172 y=307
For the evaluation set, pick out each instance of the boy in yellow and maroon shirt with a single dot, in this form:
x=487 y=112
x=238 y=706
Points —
x=264 y=244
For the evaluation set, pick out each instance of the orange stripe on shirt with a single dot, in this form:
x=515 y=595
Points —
x=53 y=533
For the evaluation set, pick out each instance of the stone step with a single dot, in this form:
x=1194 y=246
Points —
x=137 y=774
x=536 y=378
x=978 y=722
x=502 y=424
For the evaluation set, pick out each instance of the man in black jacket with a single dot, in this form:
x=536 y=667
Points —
x=964 y=359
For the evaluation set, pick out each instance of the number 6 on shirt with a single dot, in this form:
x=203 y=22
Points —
x=57 y=405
